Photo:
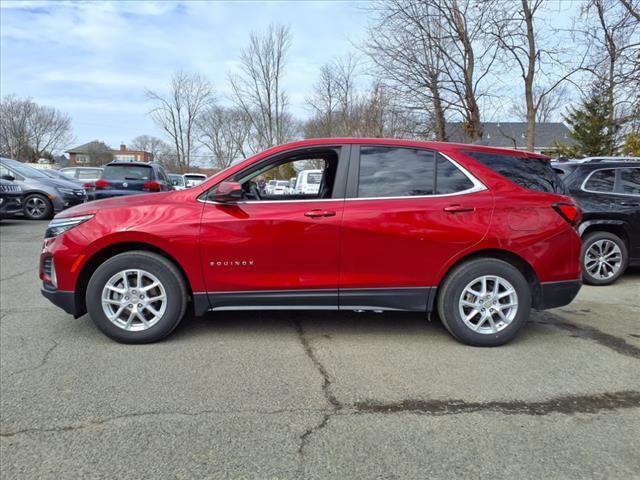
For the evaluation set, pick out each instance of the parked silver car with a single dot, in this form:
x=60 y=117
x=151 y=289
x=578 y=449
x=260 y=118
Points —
x=43 y=196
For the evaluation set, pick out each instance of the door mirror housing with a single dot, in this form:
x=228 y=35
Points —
x=227 y=192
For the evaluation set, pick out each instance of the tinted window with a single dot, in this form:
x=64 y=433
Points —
x=127 y=172
x=450 y=179
x=601 y=181
x=630 y=180
x=532 y=173
x=25 y=170
x=395 y=172
x=88 y=174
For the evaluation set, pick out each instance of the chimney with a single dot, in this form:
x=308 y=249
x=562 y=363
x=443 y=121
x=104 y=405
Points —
x=123 y=147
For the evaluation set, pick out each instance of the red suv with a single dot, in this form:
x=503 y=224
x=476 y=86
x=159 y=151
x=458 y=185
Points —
x=479 y=235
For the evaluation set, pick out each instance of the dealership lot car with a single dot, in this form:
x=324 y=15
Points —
x=120 y=179
x=193 y=179
x=480 y=235
x=609 y=195
x=10 y=198
x=43 y=196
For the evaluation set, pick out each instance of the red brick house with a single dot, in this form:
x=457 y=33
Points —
x=98 y=153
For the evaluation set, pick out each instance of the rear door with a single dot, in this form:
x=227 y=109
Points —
x=628 y=186
x=408 y=211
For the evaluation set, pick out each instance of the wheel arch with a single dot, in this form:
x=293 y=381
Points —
x=509 y=257
x=615 y=227
x=109 y=251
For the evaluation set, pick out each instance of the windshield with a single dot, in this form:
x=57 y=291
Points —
x=282 y=184
x=126 y=172
x=194 y=176
x=25 y=170
x=176 y=180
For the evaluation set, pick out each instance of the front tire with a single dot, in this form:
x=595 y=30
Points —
x=37 y=207
x=136 y=297
x=484 y=302
x=604 y=258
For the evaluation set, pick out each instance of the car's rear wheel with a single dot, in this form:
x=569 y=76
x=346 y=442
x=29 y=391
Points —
x=136 y=297
x=37 y=207
x=484 y=302
x=604 y=258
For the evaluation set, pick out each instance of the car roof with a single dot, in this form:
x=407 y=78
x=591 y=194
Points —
x=605 y=165
x=137 y=164
x=441 y=146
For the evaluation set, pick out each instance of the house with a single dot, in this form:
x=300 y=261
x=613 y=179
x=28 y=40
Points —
x=99 y=153
x=514 y=135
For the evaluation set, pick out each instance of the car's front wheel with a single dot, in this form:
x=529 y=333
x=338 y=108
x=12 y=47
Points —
x=136 y=297
x=604 y=258
x=484 y=302
x=37 y=207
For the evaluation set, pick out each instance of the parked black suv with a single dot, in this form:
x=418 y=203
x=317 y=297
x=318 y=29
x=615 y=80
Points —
x=609 y=194
x=130 y=178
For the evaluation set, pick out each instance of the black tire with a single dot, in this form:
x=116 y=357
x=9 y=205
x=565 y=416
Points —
x=588 y=242
x=164 y=270
x=44 y=210
x=451 y=291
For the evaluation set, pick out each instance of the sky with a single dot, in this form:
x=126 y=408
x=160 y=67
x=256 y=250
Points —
x=94 y=60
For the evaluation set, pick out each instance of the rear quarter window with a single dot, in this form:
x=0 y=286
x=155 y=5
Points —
x=530 y=173
x=601 y=181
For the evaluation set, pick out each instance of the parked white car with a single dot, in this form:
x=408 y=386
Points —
x=193 y=179
x=177 y=181
x=280 y=188
x=308 y=182
x=269 y=187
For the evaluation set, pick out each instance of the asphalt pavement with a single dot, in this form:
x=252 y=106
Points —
x=280 y=395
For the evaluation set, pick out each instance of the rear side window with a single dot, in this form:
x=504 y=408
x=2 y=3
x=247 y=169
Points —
x=630 y=181
x=532 y=173
x=395 y=172
x=449 y=178
x=127 y=172
x=601 y=181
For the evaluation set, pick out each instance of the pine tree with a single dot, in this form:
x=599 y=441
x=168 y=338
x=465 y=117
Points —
x=593 y=125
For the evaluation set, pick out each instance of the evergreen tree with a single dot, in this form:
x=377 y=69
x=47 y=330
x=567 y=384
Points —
x=592 y=124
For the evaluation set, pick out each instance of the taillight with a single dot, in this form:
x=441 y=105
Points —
x=569 y=211
x=100 y=184
x=89 y=187
x=151 y=186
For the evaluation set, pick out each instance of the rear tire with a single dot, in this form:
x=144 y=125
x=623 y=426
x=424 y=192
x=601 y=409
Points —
x=484 y=302
x=37 y=207
x=609 y=247
x=136 y=297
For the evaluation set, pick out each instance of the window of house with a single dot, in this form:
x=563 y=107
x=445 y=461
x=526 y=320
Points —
x=601 y=181
x=297 y=177
x=82 y=158
x=630 y=181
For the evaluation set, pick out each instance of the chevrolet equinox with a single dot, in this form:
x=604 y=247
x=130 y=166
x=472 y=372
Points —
x=477 y=235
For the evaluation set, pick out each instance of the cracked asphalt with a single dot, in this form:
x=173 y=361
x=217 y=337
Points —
x=279 y=395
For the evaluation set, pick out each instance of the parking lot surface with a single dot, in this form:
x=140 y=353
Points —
x=315 y=395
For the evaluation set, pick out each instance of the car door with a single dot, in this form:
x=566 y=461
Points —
x=276 y=251
x=408 y=211
x=628 y=186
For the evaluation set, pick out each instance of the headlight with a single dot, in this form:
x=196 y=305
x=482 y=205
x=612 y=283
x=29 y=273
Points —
x=65 y=191
x=61 y=225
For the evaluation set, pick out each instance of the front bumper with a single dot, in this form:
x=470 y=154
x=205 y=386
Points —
x=556 y=294
x=10 y=205
x=62 y=299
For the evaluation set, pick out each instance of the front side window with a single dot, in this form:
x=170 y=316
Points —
x=305 y=176
x=630 y=181
x=601 y=181
x=531 y=173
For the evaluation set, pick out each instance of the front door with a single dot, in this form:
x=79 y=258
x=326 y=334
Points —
x=408 y=212
x=276 y=248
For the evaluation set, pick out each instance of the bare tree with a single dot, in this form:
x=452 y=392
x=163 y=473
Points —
x=29 y=131
x=632 y=8
x=402 y=44
x=224 y=132
x=177 y=113
x=548 y=105
x=162 y=152
x=257 y=89
x=535 y=52
x=612 y=34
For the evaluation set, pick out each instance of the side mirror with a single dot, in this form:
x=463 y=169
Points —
x=227 y=192
x=8 y=177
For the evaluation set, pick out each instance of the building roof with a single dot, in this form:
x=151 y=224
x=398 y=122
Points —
x=90 y=147
x=514 y=134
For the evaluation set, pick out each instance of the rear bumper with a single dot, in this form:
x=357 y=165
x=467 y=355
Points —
x=557 y=294
x=64 y=300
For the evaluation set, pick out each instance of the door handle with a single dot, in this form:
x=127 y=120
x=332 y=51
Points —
x=457 y=208
x=319 y=213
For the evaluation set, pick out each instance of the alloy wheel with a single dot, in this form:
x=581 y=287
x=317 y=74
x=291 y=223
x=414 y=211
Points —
x=36 y=207
x=134 y=300
x=488 y=304
x=603 y=259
